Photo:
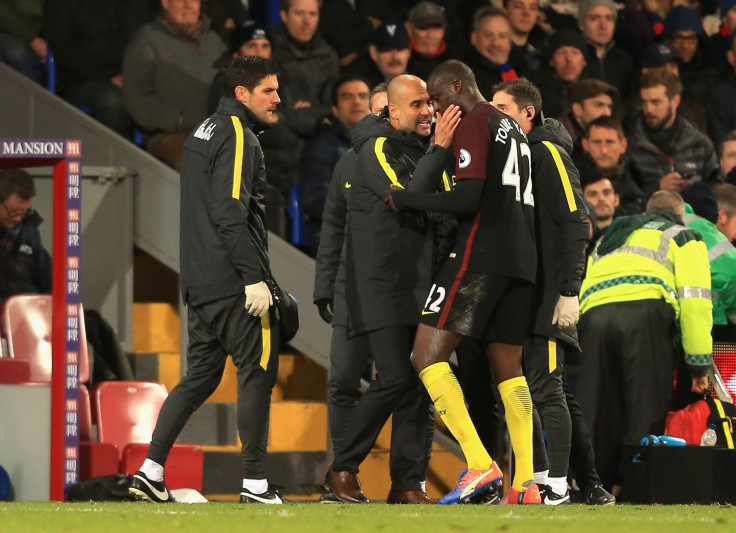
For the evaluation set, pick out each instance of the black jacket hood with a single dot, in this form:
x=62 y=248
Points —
x=553 y=131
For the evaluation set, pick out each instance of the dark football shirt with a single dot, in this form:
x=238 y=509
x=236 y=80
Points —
x=499 y=238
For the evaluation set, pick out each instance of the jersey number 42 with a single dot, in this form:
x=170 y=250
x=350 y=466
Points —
x=512 y=172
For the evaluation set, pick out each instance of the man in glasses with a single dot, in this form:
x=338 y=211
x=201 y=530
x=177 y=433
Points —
x=25 y=265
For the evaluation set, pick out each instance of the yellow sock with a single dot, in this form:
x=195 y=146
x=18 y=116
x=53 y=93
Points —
x=518 y=403
x=449 y=402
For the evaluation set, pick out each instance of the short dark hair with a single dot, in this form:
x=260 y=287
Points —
x=488 y=12
x=16 y=181
x=342 y=80
x=380 y=88
x=662 y=76
x=730 y=136
x=725 y=194
x=604 y=121
x=286 y=4
x=524 y=93
x=248 y=72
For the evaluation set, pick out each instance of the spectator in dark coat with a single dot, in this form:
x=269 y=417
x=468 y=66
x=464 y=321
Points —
x=604 y=142
x=347 y=25
x=388 y=55
x=564 y=60
x=488 y=57
x=684 y=32
x=665 y=150
x=21 y=45
x=308 y=64
x=88 y=39
x=427 y=26
x=588 y=99
x=727 y=157
x=226 y=16
x=721 y=103
x=322 y=152
x=606 y=60
x=723 y=40
x=528 y=39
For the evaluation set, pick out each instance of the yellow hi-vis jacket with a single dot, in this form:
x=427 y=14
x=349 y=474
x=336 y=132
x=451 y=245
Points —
x=654 y=256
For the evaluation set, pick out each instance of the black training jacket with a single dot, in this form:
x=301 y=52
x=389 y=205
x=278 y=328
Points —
x=560 y=225
x=223 y=184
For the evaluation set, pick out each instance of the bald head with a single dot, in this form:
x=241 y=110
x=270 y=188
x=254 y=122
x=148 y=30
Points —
x=408 y=105
x=453 y=83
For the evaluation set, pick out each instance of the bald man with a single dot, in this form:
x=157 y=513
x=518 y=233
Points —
x=390 y=261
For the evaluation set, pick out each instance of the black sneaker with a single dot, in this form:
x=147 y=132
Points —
x=272 y=496
x=152 y=491
x=597 y=495
x=550 y=497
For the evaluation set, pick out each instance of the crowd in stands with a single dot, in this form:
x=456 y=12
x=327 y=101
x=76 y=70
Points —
x=646 y=89
x=157 y=66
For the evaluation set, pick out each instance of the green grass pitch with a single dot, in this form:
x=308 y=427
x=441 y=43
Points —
x=375 y=517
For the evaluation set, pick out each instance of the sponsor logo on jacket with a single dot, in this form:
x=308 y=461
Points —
x=205 y=130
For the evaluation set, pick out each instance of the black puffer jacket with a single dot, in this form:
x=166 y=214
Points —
x=691 y=153
x=390 y=256
x=560 y=225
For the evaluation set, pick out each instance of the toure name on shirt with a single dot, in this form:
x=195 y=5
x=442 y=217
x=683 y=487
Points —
x=504 y=127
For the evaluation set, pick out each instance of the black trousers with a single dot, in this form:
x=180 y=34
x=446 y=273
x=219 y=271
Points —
x=544 y=359
x=626 y=376
x=396 y=390
x=349 y=359
x=217 y=329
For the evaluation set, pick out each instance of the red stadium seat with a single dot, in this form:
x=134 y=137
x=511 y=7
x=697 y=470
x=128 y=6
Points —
x=26 y=325
x=126 y=413
x=95 y=458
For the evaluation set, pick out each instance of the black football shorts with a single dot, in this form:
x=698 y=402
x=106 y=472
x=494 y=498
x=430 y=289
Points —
x=489 y=308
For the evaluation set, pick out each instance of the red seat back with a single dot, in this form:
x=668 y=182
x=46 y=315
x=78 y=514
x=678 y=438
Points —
x=26 y=324
x=126 y=411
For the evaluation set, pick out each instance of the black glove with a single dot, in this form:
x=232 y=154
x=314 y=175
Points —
x=325 y=306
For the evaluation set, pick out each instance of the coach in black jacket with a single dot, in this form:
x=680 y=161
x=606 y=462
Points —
x=223 y=184
x=390 y=260
x=562 y=232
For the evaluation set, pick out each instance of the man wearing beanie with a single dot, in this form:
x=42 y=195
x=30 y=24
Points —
x=427 y=27
x=684 y=32
x=606 y=60
x=562 y=66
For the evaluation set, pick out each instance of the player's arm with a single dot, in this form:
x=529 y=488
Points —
x=232 y=174
x=464 y=199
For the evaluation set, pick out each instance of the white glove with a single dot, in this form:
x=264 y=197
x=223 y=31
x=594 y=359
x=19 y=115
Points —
x=257 y=299
x=567 y=311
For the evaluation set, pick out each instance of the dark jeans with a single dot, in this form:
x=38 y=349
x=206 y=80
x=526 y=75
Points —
x=104 y=101
x=19 y=56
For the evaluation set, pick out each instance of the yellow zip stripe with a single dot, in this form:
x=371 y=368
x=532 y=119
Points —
x=238 y=163
x=552 y=353
x=378 y=148
x=563 y=175
x=446 y=181
x=265 y=340
x=726 y=425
